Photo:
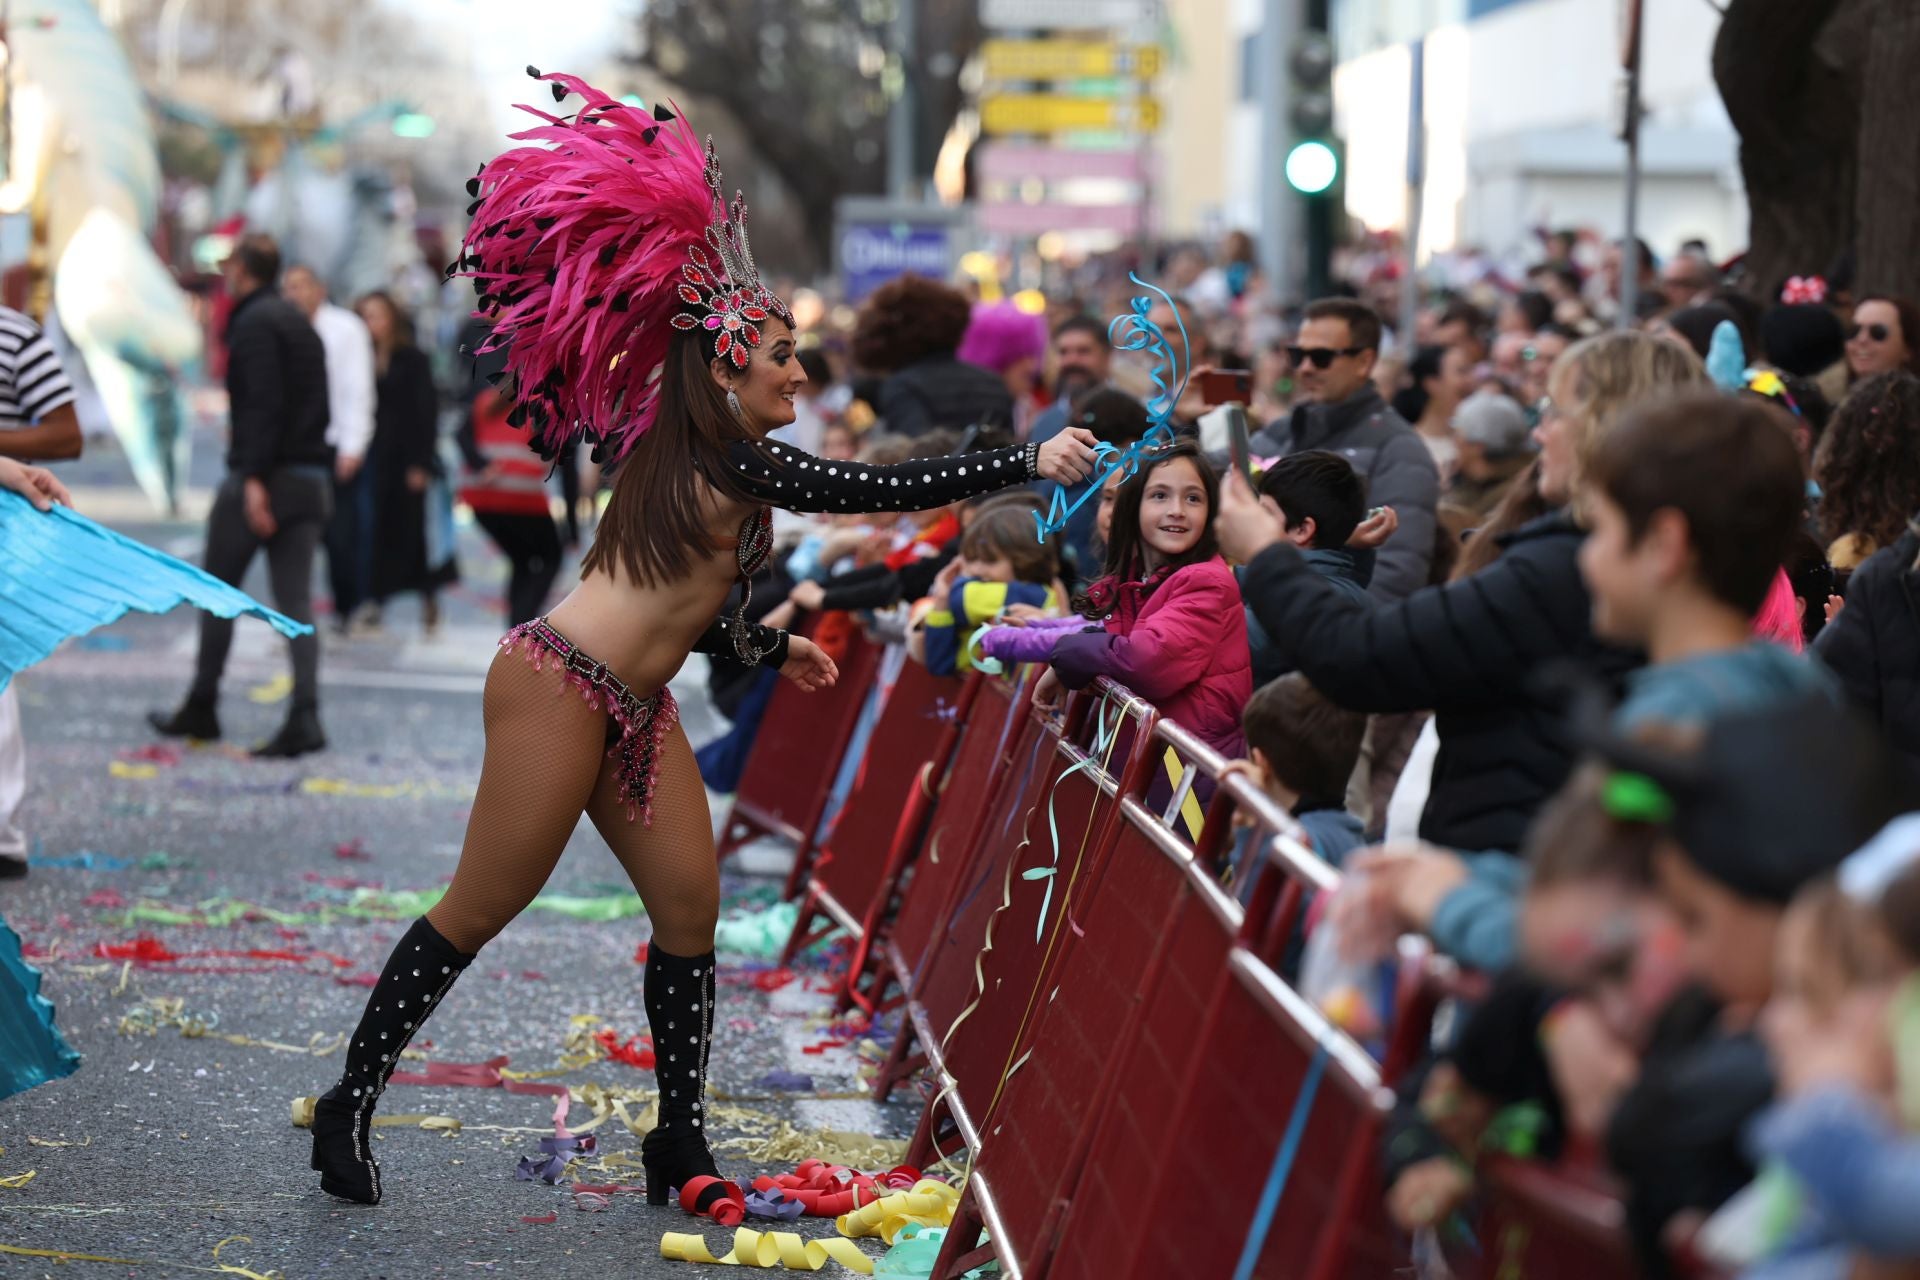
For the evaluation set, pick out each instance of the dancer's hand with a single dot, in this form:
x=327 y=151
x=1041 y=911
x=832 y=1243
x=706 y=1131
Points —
x=35 y=484
x=807 y=666
x=1067 y=459
x=808 y=595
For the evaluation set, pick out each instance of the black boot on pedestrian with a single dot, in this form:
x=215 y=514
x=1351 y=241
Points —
x=298 y=736
x=679 y=996
x=196 y=718
x=421 y=968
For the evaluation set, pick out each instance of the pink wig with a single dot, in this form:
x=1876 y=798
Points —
x=581 y=237
x=1779 y=616
x=1001 y=335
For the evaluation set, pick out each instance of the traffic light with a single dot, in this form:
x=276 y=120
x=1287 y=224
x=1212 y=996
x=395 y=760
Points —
x=1315 y=160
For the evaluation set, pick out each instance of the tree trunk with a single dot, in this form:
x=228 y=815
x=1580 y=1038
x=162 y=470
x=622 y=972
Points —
x=1797 y=113
x=1887 y=200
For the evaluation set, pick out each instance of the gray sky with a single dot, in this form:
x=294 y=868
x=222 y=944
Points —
x=506 y=35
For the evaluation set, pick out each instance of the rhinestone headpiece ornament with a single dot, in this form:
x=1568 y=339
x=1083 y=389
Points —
x=730 y=303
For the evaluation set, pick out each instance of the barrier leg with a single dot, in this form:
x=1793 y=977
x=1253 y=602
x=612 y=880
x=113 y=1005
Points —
x=902 y=1061
x=962 y=1250
x=804 y=933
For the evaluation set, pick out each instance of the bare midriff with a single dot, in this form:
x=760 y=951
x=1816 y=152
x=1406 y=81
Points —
x=644 y=633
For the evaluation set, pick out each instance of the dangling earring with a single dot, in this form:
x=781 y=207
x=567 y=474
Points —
x=733 y=405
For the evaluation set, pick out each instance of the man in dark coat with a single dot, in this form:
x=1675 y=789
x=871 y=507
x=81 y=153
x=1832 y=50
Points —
x=1342 y=411
x=276 y=494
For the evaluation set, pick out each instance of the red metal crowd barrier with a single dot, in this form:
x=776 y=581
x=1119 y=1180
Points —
x=990 y=978
x=977 y=771
x=790 y=769
x=1142 y=1092
x=864 y=853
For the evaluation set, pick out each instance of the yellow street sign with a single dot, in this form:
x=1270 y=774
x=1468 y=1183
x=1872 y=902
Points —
x=1003 y=113
x=1068 y=59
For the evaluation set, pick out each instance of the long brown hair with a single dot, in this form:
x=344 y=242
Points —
x=1126 y=554
x=1868 y=463
x=656 y=521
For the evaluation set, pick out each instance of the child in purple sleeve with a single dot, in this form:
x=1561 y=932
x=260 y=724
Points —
x=1172 y=626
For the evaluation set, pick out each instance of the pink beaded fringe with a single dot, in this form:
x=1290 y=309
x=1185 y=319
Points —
x=644 y=722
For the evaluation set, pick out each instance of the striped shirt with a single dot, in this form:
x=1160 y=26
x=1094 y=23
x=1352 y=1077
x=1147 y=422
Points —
x=32 y=383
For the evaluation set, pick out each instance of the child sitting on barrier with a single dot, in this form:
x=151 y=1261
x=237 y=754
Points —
x=1840 y=1156
x=1001 y=565
x=1301 y=750
x=1172 y=627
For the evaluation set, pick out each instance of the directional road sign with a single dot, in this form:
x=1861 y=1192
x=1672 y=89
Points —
x=1003 y=113
x=1068 y=59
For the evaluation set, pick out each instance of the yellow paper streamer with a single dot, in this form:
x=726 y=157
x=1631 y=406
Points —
x=222 y=1268
x=18 y=1180
x=929 y=1204
x=121 y=769
x=766 y=1249
x=274 y=690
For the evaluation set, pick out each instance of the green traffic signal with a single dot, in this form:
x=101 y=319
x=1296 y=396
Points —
x=1312 y=167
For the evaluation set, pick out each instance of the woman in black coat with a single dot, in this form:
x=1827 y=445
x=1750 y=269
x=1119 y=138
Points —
x=1470 y=650
x=402 y=461
x=1874 y=643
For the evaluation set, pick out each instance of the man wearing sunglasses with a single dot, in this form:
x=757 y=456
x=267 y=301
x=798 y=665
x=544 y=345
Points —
x=1338 y=408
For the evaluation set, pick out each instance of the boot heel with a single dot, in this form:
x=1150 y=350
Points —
x=657 y=1188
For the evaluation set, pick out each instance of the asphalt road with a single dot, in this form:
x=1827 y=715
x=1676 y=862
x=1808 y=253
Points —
x=166 y=1144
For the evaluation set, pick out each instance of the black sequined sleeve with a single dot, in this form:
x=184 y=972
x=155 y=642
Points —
x=782 y=476
x=718 y=640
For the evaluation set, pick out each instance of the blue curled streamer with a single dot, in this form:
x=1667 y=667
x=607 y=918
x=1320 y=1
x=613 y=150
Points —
x=1283 y=1159
x=1132 y=331
x=1102 y=736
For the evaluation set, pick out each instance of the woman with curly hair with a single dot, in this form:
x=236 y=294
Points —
x=1868 y=467
x=909 y=330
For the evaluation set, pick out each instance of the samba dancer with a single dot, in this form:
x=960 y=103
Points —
x=632 y=314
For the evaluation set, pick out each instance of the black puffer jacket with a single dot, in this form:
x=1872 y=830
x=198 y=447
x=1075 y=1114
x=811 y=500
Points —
x=1874 y=645
x=276 y=388
x=1469 y=651
x=941 y=391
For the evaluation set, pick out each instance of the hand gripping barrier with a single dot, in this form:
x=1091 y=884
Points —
x=790 y=769
x=979 y=771
x=852 y=878
x=1055 y=834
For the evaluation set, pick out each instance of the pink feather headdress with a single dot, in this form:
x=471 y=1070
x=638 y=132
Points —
x=598 y=241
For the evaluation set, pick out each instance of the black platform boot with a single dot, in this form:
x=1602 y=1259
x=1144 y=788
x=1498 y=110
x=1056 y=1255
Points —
x=421 y=968
x=679 y=995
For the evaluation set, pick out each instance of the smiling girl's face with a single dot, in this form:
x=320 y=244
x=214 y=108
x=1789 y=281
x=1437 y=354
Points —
x=1173 y=511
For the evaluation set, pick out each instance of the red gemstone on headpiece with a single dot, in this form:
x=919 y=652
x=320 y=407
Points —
x=711 y=322
x=722 y=343
x=739 y=356
x=690 y=295
x=681 y=320
x=752 y=335
x=754 y=313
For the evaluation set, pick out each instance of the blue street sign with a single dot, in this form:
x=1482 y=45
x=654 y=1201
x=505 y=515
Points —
x=872 y=253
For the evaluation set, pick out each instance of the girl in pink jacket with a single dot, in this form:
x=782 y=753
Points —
x=1173 y=627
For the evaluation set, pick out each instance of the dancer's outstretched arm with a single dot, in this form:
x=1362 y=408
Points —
x=783 y=476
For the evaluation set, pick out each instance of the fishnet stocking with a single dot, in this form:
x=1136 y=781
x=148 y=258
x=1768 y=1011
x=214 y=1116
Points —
x=544 y=753
x=546 y=763
x=670 y=863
